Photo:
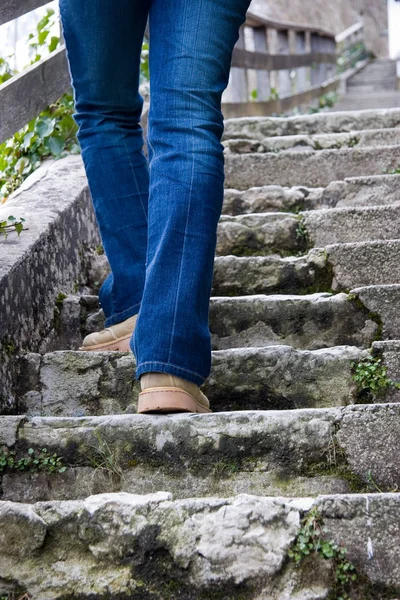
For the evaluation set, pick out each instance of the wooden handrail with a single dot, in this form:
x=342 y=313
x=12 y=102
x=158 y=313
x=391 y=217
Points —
x=276 y=62
x=12 y=9
x=348 y=32
x=254 y=20
x=46 y=81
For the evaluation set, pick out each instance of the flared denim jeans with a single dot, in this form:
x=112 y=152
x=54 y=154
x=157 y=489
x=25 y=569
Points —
x=157 y=216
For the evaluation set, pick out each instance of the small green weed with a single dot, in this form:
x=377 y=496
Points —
x=371 y=378
x=105 y=458
x=395 y=171
x=301 y=231
x=34 y=460
x=311 y=540
x=11 y=224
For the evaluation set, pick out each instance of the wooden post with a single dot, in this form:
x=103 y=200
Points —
x=260 y=45
x=284 y=81
x=236 y=90
x=301 y=73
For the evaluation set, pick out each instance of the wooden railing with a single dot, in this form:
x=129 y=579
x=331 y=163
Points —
x=350 y=45
x=275 y=66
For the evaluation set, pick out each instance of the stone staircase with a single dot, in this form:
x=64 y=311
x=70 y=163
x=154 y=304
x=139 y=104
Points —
x=289 y=489
x=374 y=86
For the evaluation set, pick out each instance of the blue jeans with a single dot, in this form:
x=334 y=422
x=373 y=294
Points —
x=157 y=217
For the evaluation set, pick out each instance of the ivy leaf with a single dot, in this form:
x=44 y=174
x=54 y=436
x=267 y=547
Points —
x=45 y=127
x=18 y=228
x=53 y=43
x=56 y=144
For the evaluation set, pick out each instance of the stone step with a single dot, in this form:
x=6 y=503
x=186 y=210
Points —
x=327 y=141
x=305 y=322
x=382 y=300
x=337 y=267
x=307 y=168
x=324 y=122
x=364 y=263
x=132 y=546
x=388 y=100
x=288 y=452
x=266 y=233
x=68 y=383
x=245 y=275
x=342 y=225
x=260 y=234
x=372 y=190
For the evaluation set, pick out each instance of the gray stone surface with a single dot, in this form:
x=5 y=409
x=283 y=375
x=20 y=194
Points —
x=374 y=190
x=342 y=225
x=307 y=168
x=271 y=198
x=127 y=545
x=259 y=234
x=277 y=377
x=389 y=352
x=383 y=300
x=235 y=275
x=364 y=263
x=308 y=322
x=335 y=122
x=369 y=435
x=326 y=141
x=45 y=260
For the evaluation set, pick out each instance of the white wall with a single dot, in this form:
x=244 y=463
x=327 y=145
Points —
x=394 y=28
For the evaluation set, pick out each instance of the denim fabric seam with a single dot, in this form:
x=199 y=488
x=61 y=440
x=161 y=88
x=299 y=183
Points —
x=189 y=203
x=135 y=179
x=119 y=317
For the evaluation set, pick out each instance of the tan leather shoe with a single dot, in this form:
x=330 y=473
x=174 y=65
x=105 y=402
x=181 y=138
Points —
x=166 y=393
x=115 y=337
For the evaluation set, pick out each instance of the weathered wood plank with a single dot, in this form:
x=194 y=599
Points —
x=11 y=9
x=254 y=20
x=276 y=62
x=26 y=95
x=260 y=109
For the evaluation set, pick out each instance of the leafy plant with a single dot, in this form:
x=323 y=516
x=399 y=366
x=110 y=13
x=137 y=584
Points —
x=11 y=224
x=6 y=72
x=39 y=41
x=311 y=540
x=34 y=460
x=371 y=377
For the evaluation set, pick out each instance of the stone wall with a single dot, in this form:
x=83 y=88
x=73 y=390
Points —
x=334 y=16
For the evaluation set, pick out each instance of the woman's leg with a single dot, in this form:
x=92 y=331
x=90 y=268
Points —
x=104 y=41
x=191 y=45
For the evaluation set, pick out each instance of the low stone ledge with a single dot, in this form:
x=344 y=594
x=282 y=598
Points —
x=130 y=546
x=48 y=258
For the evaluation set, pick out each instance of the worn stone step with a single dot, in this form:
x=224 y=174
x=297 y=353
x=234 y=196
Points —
x=308 y=322
x=154 y=546
x=293 y=452
x=383 y=301
x=325 y=141
x=364 y=263
x=68 y=383
x=325 y=122
x=239 y=275
x=308 y=168
x=356 y=224
x=260 y=234
x=265 y=233
x=353 y=191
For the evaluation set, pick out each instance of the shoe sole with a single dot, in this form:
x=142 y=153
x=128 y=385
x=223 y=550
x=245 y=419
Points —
x=169 y=400
x=120 y=344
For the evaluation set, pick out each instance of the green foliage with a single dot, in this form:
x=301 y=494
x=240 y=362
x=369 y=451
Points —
x=371 y=378
x=311 y=540
x=40 y=41
x=274 y=94
x=51 y=134
x=325 y=101
x=33 y=461
x=395 y=171
x=5 y=70
x=11 y=224
x=144 y=63
x=301 y=231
